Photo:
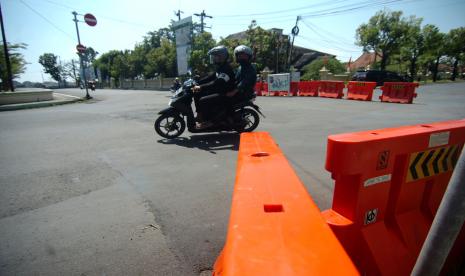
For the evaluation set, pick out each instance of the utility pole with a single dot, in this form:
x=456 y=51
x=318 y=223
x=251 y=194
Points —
x=202 y=16
x=178 y=14
x=295 y=32
x=9 y=81
x=80 y=57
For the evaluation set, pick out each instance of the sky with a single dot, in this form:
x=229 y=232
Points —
x=46 y=26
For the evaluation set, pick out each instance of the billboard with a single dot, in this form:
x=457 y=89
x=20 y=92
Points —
x=182 y=32
x=279 y=82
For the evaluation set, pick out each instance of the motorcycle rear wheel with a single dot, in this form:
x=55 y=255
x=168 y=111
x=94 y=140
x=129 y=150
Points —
x=170 y=126
x=251 y=120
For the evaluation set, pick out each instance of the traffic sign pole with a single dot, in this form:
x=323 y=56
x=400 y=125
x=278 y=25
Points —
x=80 y=57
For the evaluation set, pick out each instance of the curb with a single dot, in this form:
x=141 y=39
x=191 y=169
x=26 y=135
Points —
x=61 y=101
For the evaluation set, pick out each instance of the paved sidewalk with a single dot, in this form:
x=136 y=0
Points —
x=58 y=99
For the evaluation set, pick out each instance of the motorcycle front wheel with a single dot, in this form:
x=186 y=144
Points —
x=170 y=126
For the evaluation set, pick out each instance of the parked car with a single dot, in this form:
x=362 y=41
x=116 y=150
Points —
x=378 y=76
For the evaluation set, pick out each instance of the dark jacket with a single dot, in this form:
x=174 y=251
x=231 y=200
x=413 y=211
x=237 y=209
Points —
x=221 y=81
x=246 y=77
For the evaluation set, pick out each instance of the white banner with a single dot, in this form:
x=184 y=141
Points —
x=279 y=82
x=182 y=31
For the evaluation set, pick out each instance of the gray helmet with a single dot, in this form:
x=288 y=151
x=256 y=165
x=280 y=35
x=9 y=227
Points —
x=220 y=50
x=243 y=49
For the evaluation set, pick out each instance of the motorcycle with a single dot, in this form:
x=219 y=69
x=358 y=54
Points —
x=241 y=117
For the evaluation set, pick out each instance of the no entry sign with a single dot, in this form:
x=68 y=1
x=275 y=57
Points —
x=80 y=48
x=90 y=19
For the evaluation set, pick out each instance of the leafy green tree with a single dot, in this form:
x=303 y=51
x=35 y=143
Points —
x=17 y=62
x=455 y=47
x=120 y=68
x=434 y=48
x=162 y=60
x=265 y=45
x=202 y=42
x=106 y=62
x=384 y=33
x=414 y=45
x=312 y=71
x=51 y=66
x=153 y=39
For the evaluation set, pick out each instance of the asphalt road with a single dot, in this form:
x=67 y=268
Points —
x=90 y=189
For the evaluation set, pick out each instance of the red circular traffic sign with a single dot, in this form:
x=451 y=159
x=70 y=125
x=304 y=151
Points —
x=90 y=19
x=81 y=48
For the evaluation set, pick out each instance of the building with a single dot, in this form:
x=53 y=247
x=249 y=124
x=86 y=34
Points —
x=365 y=61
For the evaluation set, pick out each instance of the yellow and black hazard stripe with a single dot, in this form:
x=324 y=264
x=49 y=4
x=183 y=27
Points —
x=432 y=162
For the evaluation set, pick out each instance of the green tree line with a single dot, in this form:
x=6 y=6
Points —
x=398 y=39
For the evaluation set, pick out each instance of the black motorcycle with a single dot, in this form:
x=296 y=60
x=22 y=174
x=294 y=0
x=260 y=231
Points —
x=241 y=117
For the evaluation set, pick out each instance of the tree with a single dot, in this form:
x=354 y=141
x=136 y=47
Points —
x=455 y=47
x=202 y=43
x=384 y=33
x=267 y=47
x=434 y=48
x=51 y=66
x=414 y=45
x=71 y=70
x=312 y=71
x=105 y=63
x=162 y=60
x=17 y=62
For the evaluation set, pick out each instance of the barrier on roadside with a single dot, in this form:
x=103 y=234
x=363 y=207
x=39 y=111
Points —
x=358 y=90
x=275 y=228
x=398 y=92
x=294 y=89
x=388 y=187
x=265 y=89
x=278 y=93
x=258 y=88
x=331 y=89
x=309 y=88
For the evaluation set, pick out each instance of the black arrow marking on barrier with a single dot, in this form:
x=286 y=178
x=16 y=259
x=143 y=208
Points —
x=436 y=160
x=412 y=167
x=444 y=161
x=424 y=166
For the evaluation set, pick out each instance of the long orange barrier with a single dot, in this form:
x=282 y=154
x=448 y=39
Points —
x=358 y=90
x=275 y=228
x=331 y=89
x=388 y=187
x=398 y=92
x=309 y=88
x=294 y=88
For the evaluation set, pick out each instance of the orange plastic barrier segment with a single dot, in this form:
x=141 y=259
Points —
x=275 y=228
x=294 y=89
x=398 y=92
x=258 y=88
x=388 y=186
x=309 y=88
x=358 y=90
x=331 y=89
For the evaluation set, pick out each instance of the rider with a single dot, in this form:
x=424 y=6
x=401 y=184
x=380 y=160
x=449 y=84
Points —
x=176 y=84
x=246 y=76
x=211 y=91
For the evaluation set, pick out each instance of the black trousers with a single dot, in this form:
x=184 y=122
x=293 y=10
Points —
x=212 y=104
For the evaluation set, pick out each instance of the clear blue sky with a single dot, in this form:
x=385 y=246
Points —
x=47 y=26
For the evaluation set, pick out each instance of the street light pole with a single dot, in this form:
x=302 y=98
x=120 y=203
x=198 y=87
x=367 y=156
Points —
x=7 y=56
x=80 y=57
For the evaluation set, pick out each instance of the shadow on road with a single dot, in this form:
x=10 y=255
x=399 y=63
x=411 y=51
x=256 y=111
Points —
x=208 y=142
